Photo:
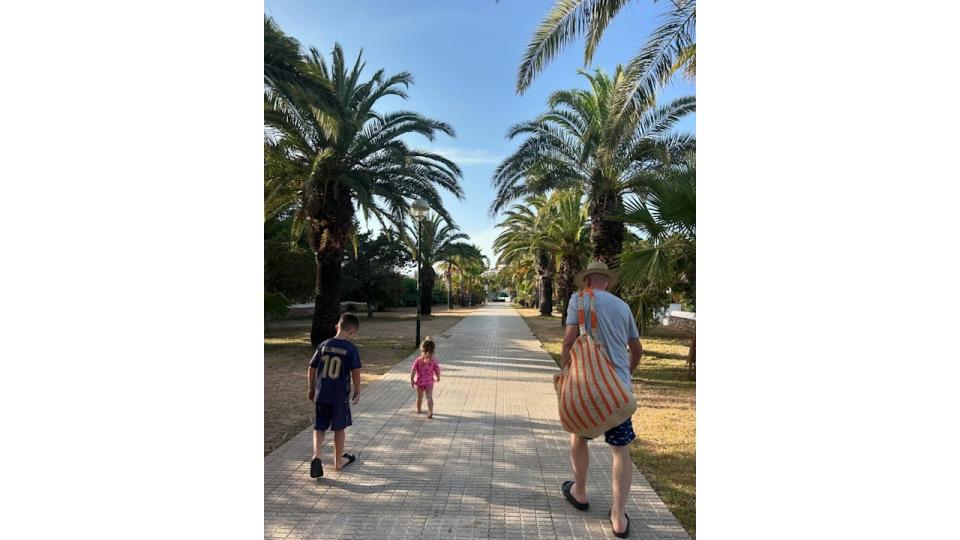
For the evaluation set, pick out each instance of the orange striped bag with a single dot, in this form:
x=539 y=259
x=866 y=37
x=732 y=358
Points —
x=591 y=397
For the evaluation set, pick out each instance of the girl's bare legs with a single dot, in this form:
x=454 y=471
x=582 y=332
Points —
x=419 y=400
x=430 y=402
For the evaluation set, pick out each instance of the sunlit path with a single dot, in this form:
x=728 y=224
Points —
x=489 y=465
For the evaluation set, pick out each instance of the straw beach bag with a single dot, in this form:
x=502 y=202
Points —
x=591 y=397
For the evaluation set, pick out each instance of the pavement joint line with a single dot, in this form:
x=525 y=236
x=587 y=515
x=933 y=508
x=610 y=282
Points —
x=489 y=465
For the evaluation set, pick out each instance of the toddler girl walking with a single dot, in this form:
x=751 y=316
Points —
x=425 y=367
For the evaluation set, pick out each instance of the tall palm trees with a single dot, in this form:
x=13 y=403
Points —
x=580 y=142
x=471 y=279
x=460 y=260
x=550 y=234
x=439 y=242
x=466 y=273
x=568 y=235
x=525 y=236
x=330 y=158
x=520 y=276
x=615 y=143
x=665 y=212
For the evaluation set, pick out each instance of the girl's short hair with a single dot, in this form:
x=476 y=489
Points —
x=428 y=345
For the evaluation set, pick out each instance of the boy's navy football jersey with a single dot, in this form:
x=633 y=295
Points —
x=333 y=360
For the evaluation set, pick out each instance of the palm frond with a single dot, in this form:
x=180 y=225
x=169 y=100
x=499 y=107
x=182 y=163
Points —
x=653 y=65
x=602 y=12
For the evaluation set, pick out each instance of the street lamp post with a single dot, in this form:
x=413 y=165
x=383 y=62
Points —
x=419 y=209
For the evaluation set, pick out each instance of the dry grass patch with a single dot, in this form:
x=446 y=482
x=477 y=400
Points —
x=383 y=341
x=665 y=422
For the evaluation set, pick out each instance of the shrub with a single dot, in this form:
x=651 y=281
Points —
x=288 y=270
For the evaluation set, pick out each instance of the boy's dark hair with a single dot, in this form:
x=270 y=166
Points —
x=349 y=321
x=428 y=346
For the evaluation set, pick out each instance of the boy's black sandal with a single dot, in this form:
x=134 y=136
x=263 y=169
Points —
x=316 y=468
x=566 y=487
x=626 y=532
x=350 y=459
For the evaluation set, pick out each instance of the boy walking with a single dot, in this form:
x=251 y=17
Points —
x=335 y=362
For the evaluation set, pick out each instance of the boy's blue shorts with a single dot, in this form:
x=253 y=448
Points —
x=335 y=416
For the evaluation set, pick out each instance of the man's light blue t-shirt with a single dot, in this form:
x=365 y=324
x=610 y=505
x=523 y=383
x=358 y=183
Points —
x=615 y=325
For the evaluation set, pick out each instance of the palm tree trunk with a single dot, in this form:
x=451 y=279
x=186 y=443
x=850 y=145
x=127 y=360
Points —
x=546 y=299
x=329 y=230
x=326 y=306
x=606 y=235
x=565 y=284
x=545 y=269
x=449 y=287
x=692 y=358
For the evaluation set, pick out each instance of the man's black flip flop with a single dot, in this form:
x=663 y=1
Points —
x=565 y=488
x=316 y=468
x=350 y=459
x=626 y=532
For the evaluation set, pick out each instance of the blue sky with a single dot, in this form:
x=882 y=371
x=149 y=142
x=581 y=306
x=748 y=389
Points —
x=464 y=55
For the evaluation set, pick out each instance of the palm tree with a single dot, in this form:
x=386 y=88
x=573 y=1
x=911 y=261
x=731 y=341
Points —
x=439 y=241
x=456 y=261
x=521 y=275
x=285 y=73
x=342 y=157
x=526 y=234
x=580 y=143
x=448 y=267
x=285 y=78
x=471 y=278
x=568 y=235
x=670 y=48
x=665 y=212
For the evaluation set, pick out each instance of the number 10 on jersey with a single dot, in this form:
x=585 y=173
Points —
x=331 y=367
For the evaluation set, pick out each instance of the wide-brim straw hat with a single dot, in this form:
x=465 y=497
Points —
x=595 y=267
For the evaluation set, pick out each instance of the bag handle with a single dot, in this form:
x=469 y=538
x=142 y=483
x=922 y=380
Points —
x=581 y=316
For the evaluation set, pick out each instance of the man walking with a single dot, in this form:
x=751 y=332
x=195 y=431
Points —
x=617 y=330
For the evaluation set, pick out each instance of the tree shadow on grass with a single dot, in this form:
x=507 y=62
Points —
x=673 y=476
x=665 y=355
x=287 y=348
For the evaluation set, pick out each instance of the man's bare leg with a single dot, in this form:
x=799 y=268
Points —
x=580 y=461
x=317 y=443
x=622 y=477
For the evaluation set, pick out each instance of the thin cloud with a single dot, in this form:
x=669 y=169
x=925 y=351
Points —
x=462 y=156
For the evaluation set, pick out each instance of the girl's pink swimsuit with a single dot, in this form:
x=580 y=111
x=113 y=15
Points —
x=424 y=370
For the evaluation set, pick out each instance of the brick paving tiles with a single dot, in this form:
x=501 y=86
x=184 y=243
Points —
x=489 y=465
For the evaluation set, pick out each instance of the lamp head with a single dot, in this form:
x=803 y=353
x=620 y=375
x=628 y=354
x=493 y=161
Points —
x=420 y=208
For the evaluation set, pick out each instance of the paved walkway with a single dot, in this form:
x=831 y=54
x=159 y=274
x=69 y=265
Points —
x=489 y=465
